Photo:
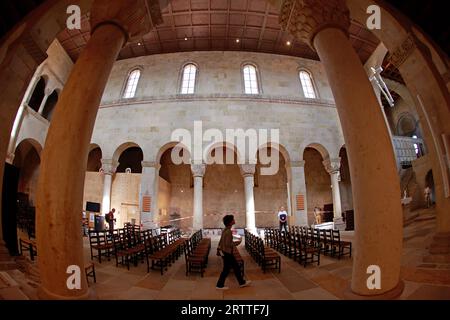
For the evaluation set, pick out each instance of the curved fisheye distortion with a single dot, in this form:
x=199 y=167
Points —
x=244 y=151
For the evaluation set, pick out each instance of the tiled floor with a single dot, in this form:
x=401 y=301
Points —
x=327 y=281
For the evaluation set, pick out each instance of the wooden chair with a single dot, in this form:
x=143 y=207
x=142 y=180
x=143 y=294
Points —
x=340 y=248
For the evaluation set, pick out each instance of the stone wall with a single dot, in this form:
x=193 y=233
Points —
x=93 y=188
x=318 y=182
x=125 y=197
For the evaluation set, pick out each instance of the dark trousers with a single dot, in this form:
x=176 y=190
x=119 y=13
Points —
x=229 y=262
x=283 y=225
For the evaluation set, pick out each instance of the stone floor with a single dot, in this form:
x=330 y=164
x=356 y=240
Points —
x=327 y=281
x=423 y=280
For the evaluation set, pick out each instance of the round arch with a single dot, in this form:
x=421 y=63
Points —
x=229 y=146
x=320 y=148
x=173 y=144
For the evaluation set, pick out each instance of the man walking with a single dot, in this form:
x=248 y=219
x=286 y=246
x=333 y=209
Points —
x=225 y=249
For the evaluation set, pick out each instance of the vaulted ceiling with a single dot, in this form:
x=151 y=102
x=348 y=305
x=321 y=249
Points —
x=224 y=25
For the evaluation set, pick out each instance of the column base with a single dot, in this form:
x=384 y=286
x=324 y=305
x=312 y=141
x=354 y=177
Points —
x=389 y=295
x=440 y=243
x=339 y=224
x=44 y=294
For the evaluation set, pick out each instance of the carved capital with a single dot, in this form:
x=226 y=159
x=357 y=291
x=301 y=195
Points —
x=332 y=165
x=109 y=166
x=247 y=169
x=304 y=19
x=198 y=170
x=134 y=17
x=402 y=52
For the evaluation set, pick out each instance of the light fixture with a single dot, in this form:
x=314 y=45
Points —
x=185 y=38
x=181 y=190
x=238 y=40
x=139 y=44
x=288 y=43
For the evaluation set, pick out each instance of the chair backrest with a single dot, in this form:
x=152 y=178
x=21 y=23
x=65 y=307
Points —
x=336 y=236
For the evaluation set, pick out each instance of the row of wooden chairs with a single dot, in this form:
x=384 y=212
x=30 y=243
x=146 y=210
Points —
x=164 y=249
x=328 y=241
x=196 y=252
x=130 y=244
x=264 y=256
x=293 y=245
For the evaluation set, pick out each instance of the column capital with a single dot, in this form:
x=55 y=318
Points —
x=150 y=164
x=332 y=165
x=247 y=169
x=134 y=17
x=109 y=166
x=304 y=19
x=404 y=50
x=198 y=170
x=297 y=164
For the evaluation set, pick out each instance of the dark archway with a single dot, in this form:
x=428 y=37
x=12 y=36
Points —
x=50 y=106
x=131 y=158
x=429 y=182
x=94 y=160
x=38 y=95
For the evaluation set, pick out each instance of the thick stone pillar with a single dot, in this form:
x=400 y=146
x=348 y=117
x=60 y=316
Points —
x=64 y=158
x=198 y=171
x=248 y=172
x=376 y=188
x=109 y=169
x=333 y=168
x=432 y=99
x=298 y=193
x=149 y=194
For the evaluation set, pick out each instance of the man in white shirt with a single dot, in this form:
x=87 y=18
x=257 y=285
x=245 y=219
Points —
x=282 y=218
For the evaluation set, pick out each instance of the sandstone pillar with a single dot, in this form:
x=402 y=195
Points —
x=108 y=168
x=376 y=189
x=148 y=194
x=298 y=193
x=432 y=99
x=333 y=168
x=248 y=172
x=64 y=158
x=198 y=171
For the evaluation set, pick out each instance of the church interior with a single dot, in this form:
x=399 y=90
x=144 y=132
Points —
x=116 y=123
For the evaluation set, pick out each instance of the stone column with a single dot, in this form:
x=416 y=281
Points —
x=333 y=168
x=376 y=188
x=109 y=169
x=64 y=158
x=44 y=101
x=298 y=191
x=198 y=171
x=248 y=172
x=149 y=181
x=432 y=99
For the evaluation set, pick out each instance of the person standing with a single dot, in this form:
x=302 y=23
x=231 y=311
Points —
x=282 y=217
x=225 y=250
x=111 y=220
x=427 y=193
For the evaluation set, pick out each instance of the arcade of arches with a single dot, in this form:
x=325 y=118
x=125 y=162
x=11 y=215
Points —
x=90 y=119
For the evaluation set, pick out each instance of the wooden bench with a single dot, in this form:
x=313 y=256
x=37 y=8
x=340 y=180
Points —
x=30 y=246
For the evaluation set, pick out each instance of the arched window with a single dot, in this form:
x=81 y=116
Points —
x=188 y=80
x=250 y=79
x=132 y=82
x=307 y=85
